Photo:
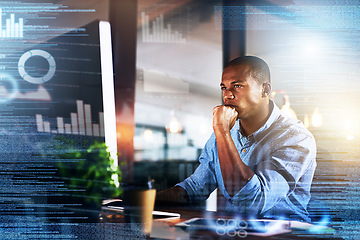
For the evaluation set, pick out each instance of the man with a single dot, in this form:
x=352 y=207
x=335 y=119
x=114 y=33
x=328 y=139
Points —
x=263 y=163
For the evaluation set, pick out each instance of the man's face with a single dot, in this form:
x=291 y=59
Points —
x=242 y=91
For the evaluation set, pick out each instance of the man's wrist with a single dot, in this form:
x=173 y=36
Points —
x=220 y=130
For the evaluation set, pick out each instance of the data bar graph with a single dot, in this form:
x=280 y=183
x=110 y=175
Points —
x=88 y=121
x=81 y=118
x=74 y=123
x=96 y=130
x=80 y=123
x=11 y=29
x=157 y=32
x=60 y=124
x=67 y=128
x=47 y=126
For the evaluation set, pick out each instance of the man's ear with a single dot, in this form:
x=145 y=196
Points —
x=266 y=89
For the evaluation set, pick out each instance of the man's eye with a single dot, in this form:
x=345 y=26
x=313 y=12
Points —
x=223 y=88
x=237 y=86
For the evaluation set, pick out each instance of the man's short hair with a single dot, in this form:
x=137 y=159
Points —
x=259 y=68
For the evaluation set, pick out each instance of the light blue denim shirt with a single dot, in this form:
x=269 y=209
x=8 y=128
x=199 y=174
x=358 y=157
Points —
x=281 y=154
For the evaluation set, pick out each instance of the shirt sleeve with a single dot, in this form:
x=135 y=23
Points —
x=203 y=181
x=278 y=175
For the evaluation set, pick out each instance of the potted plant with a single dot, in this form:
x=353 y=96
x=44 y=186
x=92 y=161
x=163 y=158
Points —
x=88 y=172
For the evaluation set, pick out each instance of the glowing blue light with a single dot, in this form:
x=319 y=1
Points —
x=231 y=227
x=321 y=226
x=13 y=92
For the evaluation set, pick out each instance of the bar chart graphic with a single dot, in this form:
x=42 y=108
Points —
x=81 y=123
x=11 y=29
x=157 y=31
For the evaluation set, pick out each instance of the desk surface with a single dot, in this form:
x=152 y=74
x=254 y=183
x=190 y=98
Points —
x=166 y=229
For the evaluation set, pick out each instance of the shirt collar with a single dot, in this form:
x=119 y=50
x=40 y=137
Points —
x=275 y=112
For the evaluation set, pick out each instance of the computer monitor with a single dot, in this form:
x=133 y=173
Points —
x=53 y=92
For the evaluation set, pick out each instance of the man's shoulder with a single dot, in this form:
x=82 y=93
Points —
x=290 y=129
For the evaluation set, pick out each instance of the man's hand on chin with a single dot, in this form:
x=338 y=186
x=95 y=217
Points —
x=224 y=117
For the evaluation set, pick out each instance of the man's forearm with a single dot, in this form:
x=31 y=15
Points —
x=175 y=196
x=235 y=173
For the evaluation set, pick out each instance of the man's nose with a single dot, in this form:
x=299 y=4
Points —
x=228 y=94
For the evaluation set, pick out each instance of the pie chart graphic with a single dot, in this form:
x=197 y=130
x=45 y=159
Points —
x=41 y=53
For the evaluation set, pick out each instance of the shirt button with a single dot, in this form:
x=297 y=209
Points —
x=244 y=150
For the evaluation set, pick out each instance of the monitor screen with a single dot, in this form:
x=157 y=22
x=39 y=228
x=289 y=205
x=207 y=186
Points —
x=58 y=117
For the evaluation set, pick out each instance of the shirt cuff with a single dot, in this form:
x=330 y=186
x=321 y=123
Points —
x=187 y=189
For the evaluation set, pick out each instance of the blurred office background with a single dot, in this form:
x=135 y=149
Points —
x=313 y=52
